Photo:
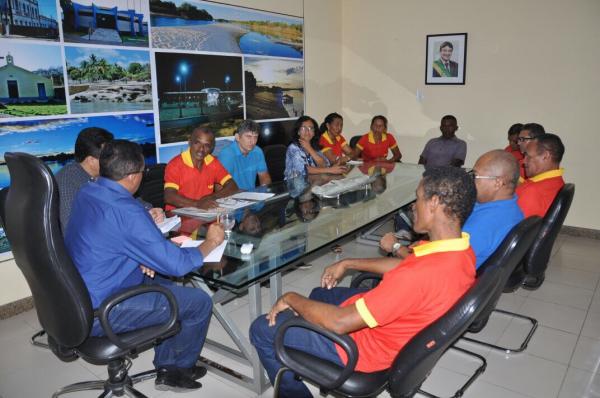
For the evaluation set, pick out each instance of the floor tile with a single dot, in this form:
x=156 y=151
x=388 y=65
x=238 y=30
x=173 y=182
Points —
x=581 y=246
x=553 y=344
x=591 y=326
x=581 y=384
x=587 y=354
x=524 y=373
x=559 y=293
x=568 y=319
x=576 y=261
x=573 y=277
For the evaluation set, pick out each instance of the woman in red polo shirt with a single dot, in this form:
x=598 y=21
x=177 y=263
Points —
x=376 y=143
x=332 y=142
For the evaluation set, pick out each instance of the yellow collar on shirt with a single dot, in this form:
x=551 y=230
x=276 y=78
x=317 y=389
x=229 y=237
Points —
x=187 y=158
x=548 y=174
x=372 y=137
x=445 y=245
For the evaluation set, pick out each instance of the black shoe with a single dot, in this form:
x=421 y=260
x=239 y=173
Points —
x=175 y=380
x=195 y=372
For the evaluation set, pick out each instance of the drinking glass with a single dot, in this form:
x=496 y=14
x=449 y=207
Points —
x=228 y=221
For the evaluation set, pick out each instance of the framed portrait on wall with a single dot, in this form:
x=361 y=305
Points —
x=446 y=58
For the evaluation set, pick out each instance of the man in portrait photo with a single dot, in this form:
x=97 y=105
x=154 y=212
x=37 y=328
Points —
x=444 y=66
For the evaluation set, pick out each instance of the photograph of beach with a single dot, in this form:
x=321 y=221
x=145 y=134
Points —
x=53 y=140
x=206 y=26
x=22 y=19
x=110 y=22
x=31 y=80
x=108 y=80
x=198 y=90
x=274 y=88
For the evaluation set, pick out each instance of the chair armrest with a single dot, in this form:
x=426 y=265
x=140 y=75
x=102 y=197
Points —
x=357 y=279
x=306 y=370
x=107 y=305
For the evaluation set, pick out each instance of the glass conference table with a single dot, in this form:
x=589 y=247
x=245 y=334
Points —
x=304 y=218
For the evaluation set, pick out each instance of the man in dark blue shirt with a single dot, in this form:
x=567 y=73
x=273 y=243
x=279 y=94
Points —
x=114 y=241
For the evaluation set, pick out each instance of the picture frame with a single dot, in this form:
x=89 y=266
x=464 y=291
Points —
x=446 y=58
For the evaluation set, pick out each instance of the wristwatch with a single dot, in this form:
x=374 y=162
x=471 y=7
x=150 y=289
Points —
x=395 y=247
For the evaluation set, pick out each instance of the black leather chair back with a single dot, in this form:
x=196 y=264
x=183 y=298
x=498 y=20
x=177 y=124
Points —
x=152 y=187
x=415 y=361
x=508 y=256
x=3 y=194
x=536 y=259
x=275 y=159
x=32 y=227
x=354 y=141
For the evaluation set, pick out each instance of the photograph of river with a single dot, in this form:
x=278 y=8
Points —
x=205 y=26
x=108 y=80
x=274 y=88
x=198 y=90
x=53 y=140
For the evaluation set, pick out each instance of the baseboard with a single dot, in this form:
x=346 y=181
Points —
x=16 y=307
x=580 y=232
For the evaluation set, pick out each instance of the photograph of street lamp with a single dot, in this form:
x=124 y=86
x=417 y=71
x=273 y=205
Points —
x=198 y=90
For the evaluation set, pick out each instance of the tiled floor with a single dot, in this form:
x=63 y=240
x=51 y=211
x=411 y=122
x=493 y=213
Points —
x=562 y=360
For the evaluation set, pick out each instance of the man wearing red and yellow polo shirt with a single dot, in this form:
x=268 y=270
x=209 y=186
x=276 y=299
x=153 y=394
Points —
x=190 y=178
x=381 y=321
x=542 y=162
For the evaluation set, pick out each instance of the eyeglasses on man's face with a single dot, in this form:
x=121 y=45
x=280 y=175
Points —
x=307 y=128
x=476 y=176
x=523 y=139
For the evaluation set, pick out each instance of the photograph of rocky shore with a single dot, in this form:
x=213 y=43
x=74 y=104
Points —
x=108 y=80
x=274 y=88
x=205 y=26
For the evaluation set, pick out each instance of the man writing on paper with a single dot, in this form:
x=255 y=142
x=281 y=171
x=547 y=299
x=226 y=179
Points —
x=109 y=237
x=190 y=178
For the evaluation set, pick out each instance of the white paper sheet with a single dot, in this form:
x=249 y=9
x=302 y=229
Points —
x=214 y=256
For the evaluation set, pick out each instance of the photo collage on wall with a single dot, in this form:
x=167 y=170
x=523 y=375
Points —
x=149 y=71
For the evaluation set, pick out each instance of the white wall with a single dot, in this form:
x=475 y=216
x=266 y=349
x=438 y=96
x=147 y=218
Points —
x=532 y=60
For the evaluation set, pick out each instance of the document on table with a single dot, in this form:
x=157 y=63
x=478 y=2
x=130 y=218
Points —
x=254 y=196
x=214 y=256
x=168 y=224
x=230 y=203
x=207 y=215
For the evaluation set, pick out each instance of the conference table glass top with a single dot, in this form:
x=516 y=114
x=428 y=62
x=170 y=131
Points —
x=297 y=221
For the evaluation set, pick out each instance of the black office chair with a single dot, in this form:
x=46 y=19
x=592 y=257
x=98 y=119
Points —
x=354 y=140
x=517 y=242
x=536 y=260
x=61 y=299
x=412 y=365
x=152 y=189
x=275 y=159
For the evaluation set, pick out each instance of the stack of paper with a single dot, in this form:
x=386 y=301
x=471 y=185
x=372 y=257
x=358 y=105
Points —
x=168 y=224
x=214 y=256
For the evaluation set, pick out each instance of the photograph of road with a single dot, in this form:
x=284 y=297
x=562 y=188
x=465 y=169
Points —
x=274 y=88
x=108 y=80
x=198 y=90
x=205 y=26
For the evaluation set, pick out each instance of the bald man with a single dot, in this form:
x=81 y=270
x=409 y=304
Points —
x=496 y=212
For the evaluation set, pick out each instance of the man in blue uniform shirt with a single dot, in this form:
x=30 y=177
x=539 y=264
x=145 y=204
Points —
x=243 y=159
x=114 y=241
x=496 y=212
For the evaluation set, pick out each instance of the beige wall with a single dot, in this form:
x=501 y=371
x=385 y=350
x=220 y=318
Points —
x=533 y=60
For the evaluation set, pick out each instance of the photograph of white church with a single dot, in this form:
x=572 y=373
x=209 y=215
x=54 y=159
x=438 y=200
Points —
x=31 y=84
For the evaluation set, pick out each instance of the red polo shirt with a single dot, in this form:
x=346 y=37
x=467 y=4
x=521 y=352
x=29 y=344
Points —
x=418 y=291
x=335 y=145
x=519 y=156
x=536 y=194
x=181 y=175
x=372 y=150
